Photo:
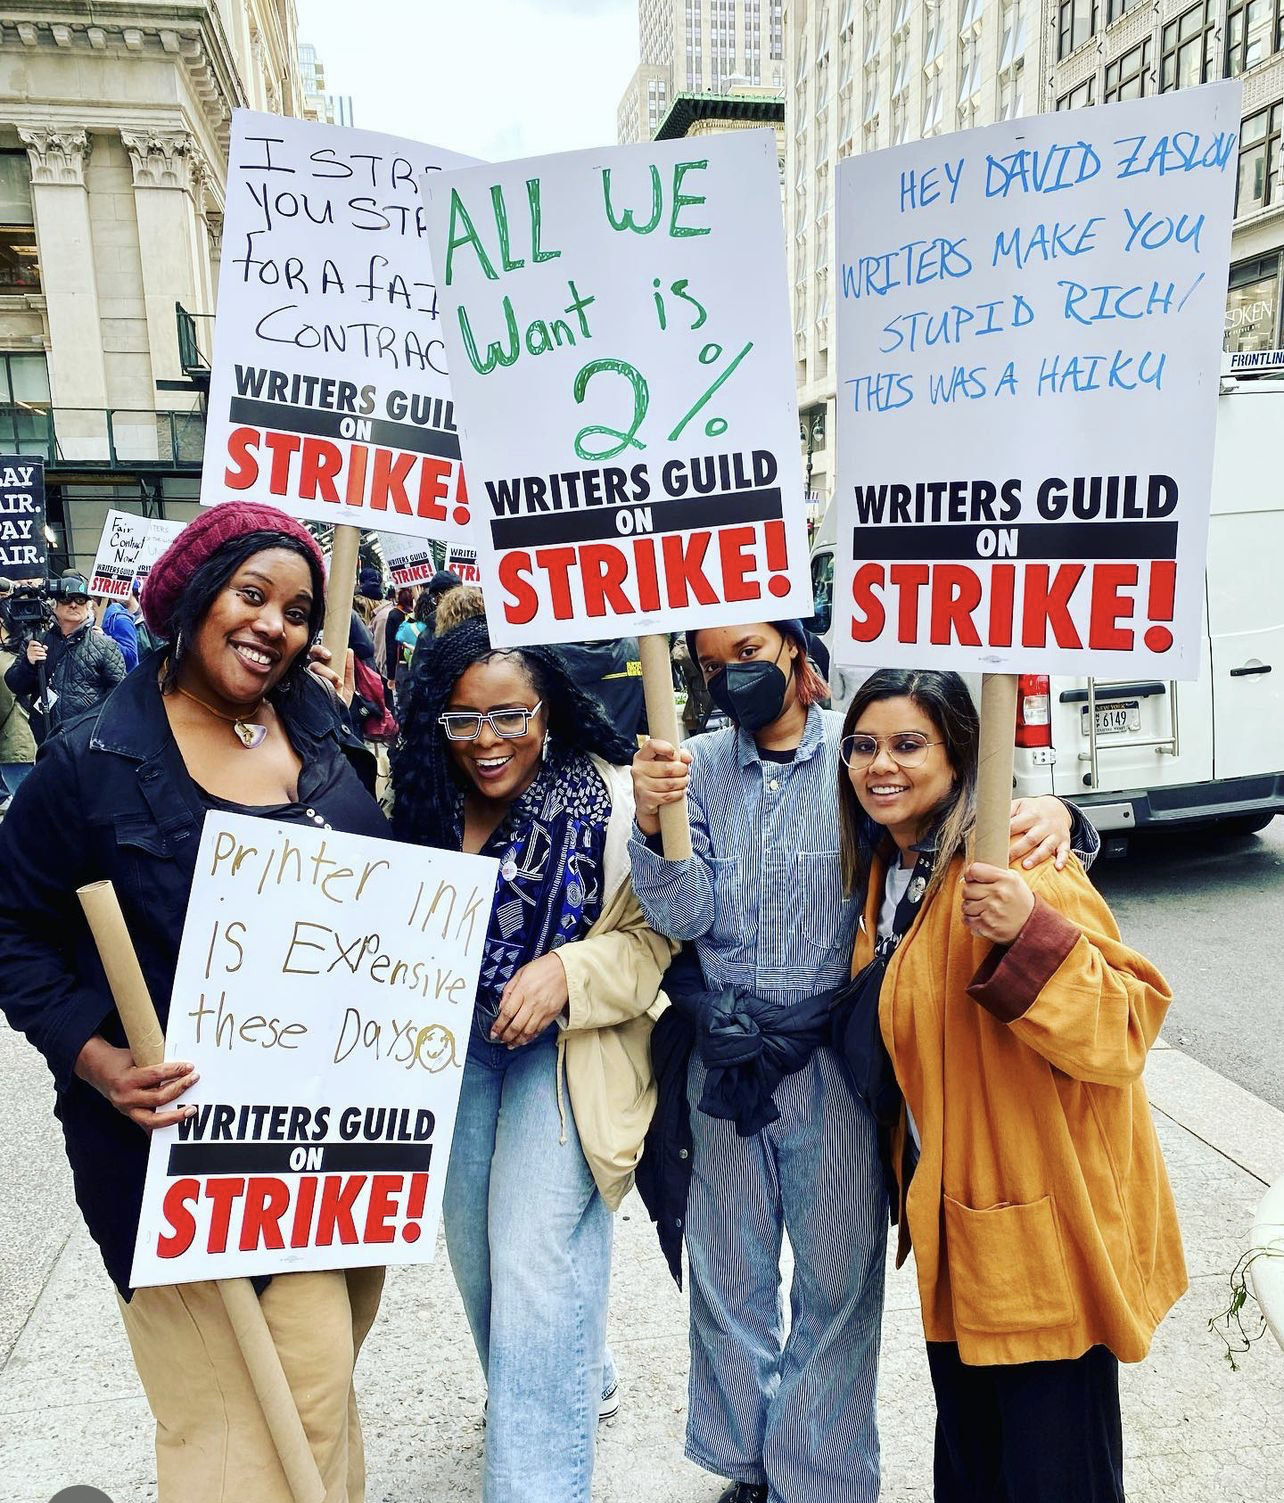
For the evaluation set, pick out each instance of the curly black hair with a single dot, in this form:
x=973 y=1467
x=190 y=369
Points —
x=426 y=808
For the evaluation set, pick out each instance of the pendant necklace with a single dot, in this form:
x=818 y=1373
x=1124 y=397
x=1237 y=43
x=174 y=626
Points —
x=249 y=733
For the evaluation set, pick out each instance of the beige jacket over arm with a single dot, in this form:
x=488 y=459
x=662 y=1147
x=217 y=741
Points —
x=613 y=979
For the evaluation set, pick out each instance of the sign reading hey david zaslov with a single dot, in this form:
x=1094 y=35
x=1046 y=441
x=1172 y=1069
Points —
x=1030 y=322
x=324 y=992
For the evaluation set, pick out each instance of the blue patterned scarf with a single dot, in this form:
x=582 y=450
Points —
x=550 y=846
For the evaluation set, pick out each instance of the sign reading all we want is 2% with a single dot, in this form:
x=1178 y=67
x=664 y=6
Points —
x=618 y=332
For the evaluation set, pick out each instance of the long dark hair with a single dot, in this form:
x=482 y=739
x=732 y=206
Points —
x=211 y=578
x=426 y=808
x=944 y=699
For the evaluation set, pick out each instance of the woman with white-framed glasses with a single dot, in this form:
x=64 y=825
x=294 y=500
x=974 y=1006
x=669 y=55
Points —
x=502 y=754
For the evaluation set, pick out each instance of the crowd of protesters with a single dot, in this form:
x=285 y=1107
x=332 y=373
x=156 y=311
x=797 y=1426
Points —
x=826 y=1020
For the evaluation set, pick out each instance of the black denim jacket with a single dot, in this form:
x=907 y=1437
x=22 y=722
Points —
x=110 y=799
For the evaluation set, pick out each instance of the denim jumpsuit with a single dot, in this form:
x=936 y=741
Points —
x=762 y=899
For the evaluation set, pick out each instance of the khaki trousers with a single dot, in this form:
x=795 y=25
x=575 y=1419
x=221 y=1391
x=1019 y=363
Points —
x=212 y=1443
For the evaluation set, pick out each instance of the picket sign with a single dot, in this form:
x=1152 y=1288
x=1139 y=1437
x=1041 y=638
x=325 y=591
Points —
x=127 y=548
x=1030 y=322
x=618 y=332
x=329 y=393
x=147 y=1045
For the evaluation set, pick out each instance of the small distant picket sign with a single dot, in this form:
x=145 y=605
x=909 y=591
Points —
x=463 y=562
x=329 y=395
x=324 y=991
x=24 y=552
x=1030 y=322
x=127 y=549
x=618 y=332
x=409 y=560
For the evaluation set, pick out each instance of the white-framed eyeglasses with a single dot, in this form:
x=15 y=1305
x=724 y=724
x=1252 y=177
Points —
x=508 y=725
x=905 y=748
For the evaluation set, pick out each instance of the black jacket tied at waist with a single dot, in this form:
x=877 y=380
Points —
x=748 y=1046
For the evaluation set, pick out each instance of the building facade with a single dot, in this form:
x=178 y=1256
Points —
x=862 y=75
x=114 y=130
x=699 y=47
x=329 y=109
x=1098 y=51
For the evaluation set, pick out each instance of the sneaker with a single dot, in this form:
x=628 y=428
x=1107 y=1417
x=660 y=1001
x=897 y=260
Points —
x=745 y=1492
x=608 y=1406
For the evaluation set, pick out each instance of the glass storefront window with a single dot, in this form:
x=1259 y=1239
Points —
x=1252 y=306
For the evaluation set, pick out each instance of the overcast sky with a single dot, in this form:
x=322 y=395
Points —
x=493 y=78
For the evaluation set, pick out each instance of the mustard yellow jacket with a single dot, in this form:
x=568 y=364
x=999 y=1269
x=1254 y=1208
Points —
x=1040 y=1212
x=613 y=981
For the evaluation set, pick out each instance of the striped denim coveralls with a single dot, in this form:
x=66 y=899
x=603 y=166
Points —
x=762 y=899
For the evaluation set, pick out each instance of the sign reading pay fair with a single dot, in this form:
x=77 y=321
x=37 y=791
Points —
x=617 y=326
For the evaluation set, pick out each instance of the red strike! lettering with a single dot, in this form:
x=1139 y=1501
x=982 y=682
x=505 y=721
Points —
x=636 y=576
x=946 y=604
x=267 y=1212
x=356 y=475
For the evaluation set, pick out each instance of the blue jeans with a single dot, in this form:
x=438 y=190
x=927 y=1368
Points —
x=797 y=1414
x=529 y=1239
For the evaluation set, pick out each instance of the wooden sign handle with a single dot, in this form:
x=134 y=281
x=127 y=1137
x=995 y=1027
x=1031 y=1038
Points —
x=245 y=1314
x=994 y=769
x=662 y=718
x=340 y=587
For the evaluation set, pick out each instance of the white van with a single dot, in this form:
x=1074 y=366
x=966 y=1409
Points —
x=1149 y=752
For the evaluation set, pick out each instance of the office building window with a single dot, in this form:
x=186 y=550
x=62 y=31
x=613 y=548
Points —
x=1079 y=96
x=1117 y=8
x=1252 y=33
x=871 y=31
x=19 y=259
x=1259 y=161
x=1076 y=22
x=25 y=421
x=1186 y=48
x=1126 y=76
x=1252 y=305
x=969 y=66
x=1012 y=92
x=933 y=32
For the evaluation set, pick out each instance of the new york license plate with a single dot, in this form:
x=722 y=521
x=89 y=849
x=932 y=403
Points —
x=1115 y=718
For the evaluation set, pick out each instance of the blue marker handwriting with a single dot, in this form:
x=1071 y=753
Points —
x=918 y=189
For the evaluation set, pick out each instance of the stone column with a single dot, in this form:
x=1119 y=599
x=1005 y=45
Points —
x=167 y=166
x=77 y=380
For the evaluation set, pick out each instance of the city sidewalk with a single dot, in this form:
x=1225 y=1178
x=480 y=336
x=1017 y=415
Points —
x=70 y=1409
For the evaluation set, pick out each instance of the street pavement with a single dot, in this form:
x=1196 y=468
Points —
x=71 y=1411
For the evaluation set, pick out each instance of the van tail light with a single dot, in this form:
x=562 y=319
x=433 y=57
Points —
x=1034 y=710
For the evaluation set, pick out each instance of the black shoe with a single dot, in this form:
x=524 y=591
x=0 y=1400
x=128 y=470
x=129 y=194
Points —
x=745 y=1492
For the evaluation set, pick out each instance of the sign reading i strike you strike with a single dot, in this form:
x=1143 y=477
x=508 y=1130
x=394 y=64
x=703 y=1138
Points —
x=1029 y=343
x=618 y=332
x=329 y=396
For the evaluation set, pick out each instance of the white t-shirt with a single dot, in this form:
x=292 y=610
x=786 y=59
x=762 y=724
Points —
x=894 y=889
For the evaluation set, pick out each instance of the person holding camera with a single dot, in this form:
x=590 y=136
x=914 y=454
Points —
x=81 y=666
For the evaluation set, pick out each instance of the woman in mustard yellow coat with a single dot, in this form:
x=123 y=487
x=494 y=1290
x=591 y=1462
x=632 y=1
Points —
x=1031 y=1185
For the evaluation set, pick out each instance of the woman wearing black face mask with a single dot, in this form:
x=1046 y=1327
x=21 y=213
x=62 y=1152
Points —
x=761 y=900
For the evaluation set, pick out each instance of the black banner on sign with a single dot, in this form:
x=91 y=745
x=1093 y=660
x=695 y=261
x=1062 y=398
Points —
x=439 y=442
x=24 y=553
x=592 y=522
x=298 y=1158
x=1016 y=540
